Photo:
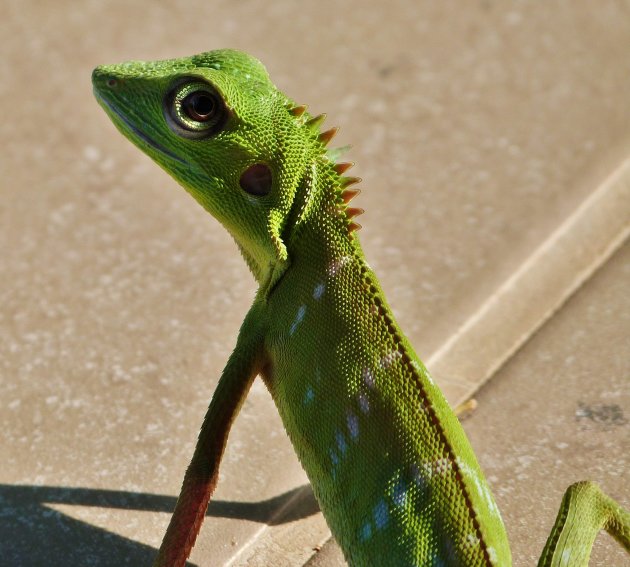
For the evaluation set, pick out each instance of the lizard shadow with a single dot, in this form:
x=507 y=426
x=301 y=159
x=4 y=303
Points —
x=32 y=533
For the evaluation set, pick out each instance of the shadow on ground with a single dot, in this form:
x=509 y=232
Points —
x=33 y=534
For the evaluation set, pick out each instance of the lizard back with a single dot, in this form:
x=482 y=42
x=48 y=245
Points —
x=388 y=461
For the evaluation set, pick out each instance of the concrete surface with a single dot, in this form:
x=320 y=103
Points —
x=559 y=412
x=478 y=132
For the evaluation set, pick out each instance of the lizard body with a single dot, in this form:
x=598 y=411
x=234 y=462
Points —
x=389 y=463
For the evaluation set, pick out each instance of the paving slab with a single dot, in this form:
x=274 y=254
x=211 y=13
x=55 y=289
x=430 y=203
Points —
x=477 y=131
x=559 y=412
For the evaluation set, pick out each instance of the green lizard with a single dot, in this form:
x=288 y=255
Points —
x=389 y=463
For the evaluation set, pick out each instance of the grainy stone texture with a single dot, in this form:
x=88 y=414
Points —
x=477 y=129
x=559 y=412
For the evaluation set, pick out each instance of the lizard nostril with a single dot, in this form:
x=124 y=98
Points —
x=112 y=83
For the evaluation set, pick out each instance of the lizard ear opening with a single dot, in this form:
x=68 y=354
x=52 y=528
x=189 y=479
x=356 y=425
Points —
x=257 y=180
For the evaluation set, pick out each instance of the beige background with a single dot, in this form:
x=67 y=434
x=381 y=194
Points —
x=478 y=129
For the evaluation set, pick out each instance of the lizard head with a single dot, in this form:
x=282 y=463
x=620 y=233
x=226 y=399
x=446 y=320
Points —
x=218 y=125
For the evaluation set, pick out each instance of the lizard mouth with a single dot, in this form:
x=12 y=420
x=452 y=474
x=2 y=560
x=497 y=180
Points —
x=121 y=119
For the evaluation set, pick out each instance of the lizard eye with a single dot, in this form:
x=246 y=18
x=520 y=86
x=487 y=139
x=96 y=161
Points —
x=195 y=110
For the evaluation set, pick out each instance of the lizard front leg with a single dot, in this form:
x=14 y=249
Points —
x=201 y=476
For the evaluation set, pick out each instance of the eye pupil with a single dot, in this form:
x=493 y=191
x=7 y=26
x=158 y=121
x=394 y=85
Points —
x=199 y=106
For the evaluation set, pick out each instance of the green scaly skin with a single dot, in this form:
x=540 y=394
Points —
x=389 y=463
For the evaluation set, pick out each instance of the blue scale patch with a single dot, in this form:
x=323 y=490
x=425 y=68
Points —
x=353 y=425
x=366 y=531
x=341 y=442
x=333 y=457
x=319 y=291
x=419 y=479
x=399 y=494
x=381 y=515
x=368 y=378
x=298 y=319
x=309 y=396
x=364 y=403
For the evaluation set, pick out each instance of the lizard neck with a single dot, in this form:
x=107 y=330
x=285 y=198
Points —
x=320 y=220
